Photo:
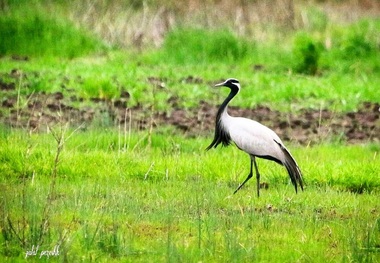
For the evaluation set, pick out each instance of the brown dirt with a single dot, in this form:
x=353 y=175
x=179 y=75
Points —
x=37 y=112
x=303 y=127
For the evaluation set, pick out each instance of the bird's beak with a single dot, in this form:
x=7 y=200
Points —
x=220 y=84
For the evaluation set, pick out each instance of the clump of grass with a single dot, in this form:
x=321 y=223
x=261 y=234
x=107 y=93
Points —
x=358 y=40
x=101 y=87
x=307 y=53
x=198 y=45
x=36 y=34
x=354 y=48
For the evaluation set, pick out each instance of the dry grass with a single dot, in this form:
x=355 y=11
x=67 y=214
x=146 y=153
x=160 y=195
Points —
x=131 y=23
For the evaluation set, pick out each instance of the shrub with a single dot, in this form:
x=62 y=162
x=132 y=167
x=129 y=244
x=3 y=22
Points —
x=306 y=53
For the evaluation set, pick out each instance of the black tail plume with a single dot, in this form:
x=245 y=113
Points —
x=292 y=168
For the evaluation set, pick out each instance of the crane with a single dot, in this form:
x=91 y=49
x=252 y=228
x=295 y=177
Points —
x=253 y=138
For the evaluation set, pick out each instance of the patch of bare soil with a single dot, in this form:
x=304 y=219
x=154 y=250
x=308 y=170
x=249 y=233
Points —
x=303 y=127
x=37 y=112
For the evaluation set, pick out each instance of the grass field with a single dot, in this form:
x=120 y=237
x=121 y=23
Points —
x=109 y=193
x=173 y=201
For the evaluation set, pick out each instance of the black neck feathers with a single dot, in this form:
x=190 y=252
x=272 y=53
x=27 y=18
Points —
x=221 y=134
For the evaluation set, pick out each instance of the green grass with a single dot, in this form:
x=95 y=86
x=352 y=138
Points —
x=119 y=199
x=202 y=46
x=34 y=34
x=106 y=77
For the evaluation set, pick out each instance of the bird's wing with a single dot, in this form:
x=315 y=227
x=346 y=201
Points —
x=255 y=138
x=258 y=140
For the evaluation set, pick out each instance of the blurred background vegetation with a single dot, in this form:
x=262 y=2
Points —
x=304 y=36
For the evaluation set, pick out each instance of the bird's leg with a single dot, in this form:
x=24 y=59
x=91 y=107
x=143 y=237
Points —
x=248 y=177
x=257 y=177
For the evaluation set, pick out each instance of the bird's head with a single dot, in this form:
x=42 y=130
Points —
x=231 y=83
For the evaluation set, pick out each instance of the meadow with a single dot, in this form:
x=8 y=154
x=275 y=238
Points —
x=108 y=190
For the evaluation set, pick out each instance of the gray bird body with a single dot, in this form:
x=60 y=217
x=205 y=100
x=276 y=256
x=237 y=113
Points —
x=253 y=138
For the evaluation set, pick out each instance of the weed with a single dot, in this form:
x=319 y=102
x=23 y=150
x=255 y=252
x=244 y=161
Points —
x=32 y=228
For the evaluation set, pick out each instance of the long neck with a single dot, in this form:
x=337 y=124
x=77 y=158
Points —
x=223 y=107
x=221 y=134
